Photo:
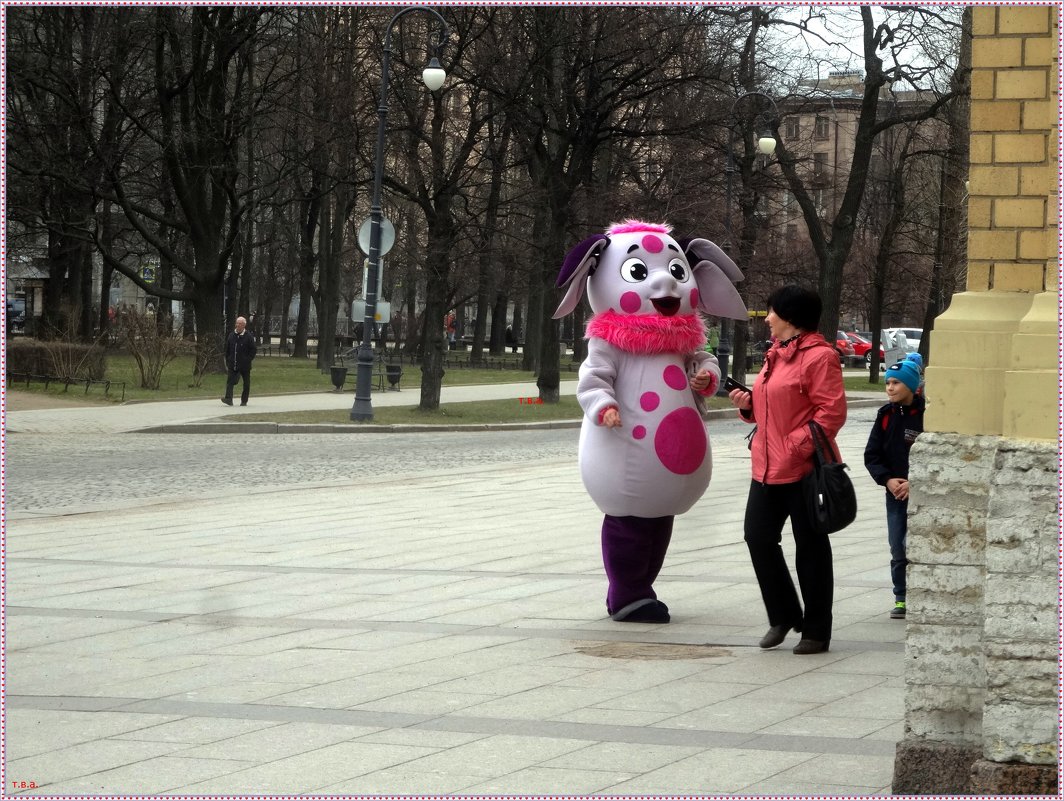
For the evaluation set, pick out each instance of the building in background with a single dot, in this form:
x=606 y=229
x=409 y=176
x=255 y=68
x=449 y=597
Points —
x=819 y=127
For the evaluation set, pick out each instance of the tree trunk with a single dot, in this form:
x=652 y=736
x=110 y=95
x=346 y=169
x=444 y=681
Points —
x=441 y=236
x=579 y=326
x=533 y=327
x=210 y=331
x=85 y=305
x=307 y=262
x=328 y=288
x=411 y=330
x=435 y=342
x=485 y=289
x=488 y=276
x=286 y=305
x=107 y=233
x=553 y=256
x=519 y=323
x=498 y=324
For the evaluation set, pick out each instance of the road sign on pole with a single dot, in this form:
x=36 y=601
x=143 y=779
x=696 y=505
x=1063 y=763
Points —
x=382 y=315
x=387 y=235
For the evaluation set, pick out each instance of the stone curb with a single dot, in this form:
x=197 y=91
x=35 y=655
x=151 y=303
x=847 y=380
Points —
x=339 y=428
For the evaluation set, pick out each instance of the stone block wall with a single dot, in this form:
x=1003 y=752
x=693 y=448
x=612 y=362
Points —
x=1022 y=615
x=981 y=700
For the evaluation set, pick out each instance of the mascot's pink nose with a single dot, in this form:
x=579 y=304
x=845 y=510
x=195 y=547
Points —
x=662 y=283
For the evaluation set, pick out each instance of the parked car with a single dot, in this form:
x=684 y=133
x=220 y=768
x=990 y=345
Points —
x=845 y=349
x=912 y=337
x=862 y=347
x=16 y=314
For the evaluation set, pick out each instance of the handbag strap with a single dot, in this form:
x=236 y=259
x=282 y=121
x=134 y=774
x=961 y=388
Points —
x=822 y=449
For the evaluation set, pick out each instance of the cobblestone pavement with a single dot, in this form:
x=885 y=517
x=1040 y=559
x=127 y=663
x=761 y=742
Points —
x=416 y=614
x=53 y=471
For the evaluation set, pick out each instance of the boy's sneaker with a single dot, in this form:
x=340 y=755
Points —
x=898 y=612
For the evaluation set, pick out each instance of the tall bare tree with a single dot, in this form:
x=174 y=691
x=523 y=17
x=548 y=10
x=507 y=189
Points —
x=194 y=131
x=575 y=80
x=60 y=62
x=886 y=65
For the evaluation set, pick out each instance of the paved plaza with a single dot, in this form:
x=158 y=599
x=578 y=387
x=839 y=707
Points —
x=408 y=622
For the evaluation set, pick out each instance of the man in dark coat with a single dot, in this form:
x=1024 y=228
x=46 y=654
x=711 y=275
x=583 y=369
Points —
x=239 y=352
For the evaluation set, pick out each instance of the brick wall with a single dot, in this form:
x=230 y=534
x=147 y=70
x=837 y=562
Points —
x=993 y=354
x=1013 y=172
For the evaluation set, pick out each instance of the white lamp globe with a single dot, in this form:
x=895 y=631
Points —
x=433 y=75
x=767 y=145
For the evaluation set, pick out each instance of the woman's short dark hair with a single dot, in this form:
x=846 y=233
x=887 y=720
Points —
x=799 y=306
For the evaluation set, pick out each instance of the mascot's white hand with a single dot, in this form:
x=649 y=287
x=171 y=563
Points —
x=700 y=380
x=611 y=418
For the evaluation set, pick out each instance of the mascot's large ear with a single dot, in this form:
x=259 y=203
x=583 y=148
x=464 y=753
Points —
x=578 y=264
x=716 y=275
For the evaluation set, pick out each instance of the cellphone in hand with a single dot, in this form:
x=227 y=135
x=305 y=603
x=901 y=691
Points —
x=730 y=384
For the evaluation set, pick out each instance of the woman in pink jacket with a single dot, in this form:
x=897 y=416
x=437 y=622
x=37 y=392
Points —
x=800 y=381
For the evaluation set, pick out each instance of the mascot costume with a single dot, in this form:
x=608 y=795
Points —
x=644 y=454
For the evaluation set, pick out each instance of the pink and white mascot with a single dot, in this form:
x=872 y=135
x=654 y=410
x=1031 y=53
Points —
x=644 y=454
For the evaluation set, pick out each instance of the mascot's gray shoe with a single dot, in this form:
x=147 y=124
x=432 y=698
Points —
x=647 y=610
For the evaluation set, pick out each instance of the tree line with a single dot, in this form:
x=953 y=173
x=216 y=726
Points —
x=233 y=147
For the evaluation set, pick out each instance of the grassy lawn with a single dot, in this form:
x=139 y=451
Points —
x=271 y=375
x=513 y=410
x=860 y=383
x=274 y=375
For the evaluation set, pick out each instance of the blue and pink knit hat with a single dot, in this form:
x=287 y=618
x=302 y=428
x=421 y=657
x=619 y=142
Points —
x=906 y=372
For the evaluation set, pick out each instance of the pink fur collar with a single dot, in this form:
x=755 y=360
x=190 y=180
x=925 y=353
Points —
x=649 y=333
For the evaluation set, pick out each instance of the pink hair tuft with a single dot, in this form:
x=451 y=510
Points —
x=631 y=226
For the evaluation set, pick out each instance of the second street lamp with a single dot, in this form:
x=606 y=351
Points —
x=433 y=76
x=766 y=145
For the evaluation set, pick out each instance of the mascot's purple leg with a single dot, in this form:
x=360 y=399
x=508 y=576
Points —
x=633 y=551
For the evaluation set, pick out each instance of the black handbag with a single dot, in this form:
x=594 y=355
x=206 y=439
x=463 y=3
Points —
x=829 y=495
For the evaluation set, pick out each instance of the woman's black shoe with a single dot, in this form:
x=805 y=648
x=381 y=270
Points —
x=805 y=646
x=775 y=635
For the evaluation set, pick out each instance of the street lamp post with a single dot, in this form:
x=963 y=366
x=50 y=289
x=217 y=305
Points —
x=433 y=75
x=766 y=144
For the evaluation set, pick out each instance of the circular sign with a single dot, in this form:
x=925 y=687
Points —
x=387 y=235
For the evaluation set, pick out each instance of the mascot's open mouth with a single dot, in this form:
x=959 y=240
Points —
x=666 y=306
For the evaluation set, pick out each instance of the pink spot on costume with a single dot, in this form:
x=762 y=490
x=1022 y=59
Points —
x=631 y=302
x=680 y=441
x=658 y=462
x=653 y=244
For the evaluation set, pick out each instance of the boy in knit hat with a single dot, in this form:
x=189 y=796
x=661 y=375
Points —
x=886 y=457
x=918 y=360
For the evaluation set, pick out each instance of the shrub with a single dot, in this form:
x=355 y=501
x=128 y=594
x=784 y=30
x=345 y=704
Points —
x=60 y=359
x=151 y=344
x=26 y=356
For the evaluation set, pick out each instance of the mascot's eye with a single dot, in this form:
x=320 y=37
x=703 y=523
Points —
x=633 y=271
x=678 y=270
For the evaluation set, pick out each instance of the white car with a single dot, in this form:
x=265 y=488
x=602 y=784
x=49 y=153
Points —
x=912 y=338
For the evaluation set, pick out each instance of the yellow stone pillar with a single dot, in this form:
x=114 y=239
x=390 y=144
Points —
x=994 y=354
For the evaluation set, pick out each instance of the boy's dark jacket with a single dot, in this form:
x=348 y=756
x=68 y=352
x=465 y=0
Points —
x=887 y=453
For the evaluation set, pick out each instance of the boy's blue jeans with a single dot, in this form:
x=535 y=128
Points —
x=896 y=531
